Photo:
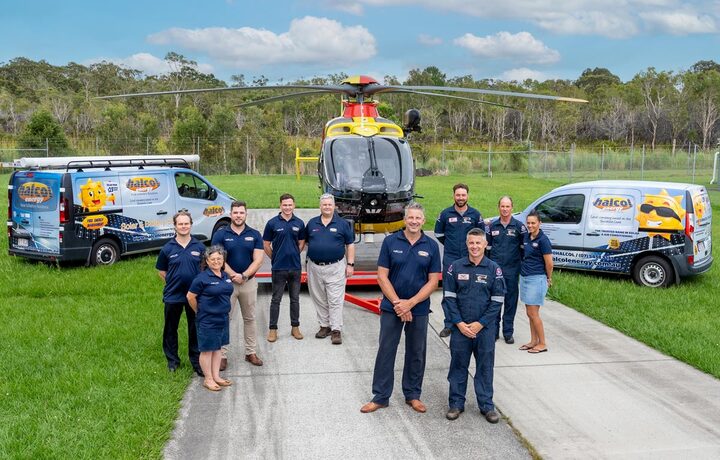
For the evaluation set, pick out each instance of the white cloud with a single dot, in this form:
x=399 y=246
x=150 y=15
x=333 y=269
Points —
x=147 y=63
x=680 y=23
x=521 y=74
x=309 y=40
x=608 y=18
x=522 y=47
x=428 y=40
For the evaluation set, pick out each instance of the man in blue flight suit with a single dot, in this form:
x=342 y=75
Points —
x=178 y=263
x=283 y=243
x=505 y=236
x=244 y=247
x=450 y=229
x=474 y=290
x=408 y=272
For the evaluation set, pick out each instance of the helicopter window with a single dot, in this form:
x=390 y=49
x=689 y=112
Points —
x=395 y=161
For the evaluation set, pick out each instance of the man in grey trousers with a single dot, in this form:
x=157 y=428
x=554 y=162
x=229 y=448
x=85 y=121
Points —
x=330 y=261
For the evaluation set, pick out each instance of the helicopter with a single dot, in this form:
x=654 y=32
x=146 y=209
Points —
x=365 y=160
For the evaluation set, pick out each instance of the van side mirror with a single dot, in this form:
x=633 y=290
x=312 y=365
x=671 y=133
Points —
x=212 y=194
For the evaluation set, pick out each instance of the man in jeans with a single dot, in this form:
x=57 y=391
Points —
x=244 y=247
x=283 y=244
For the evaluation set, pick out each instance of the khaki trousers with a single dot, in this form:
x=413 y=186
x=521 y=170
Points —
x=245 y=295
x=327 y=290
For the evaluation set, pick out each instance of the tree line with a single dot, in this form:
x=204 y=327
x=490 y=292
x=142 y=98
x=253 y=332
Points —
x=42 y=103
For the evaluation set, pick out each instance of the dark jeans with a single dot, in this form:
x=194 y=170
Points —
x=279 y=279
x=446 y=264
x=415 y=347
x=461 y=349
x=173 y=312
x=509 y=305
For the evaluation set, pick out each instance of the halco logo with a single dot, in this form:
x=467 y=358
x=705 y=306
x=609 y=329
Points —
x=142 y=184
x=613 y=203
x=212 y=211
x=34 y=192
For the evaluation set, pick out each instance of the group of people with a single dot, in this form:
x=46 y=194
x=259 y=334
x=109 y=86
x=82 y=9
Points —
x=484 y=266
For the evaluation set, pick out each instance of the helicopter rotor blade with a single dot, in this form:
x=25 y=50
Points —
x=283 y=97
x=479 y=101
x=389 y=89
x=344 y=89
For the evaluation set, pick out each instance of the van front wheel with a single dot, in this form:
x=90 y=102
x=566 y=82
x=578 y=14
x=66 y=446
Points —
x=104 y=252
x=653 y=271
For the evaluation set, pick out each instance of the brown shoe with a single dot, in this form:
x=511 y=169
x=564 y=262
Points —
x=253 y=359
x=417 y=405
x=272 y=335
x=371 y=407
x=323 y=332
x=295 y=332
x=336 y=338
x=223 y=364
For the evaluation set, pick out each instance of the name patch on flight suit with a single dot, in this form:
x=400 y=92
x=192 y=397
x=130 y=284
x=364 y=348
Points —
x=463 y=276
x=511 y=232
x=495 y=232
x=452 y=219
x=467 y=220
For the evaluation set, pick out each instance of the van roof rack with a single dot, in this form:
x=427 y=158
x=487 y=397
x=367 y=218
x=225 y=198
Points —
x=80 y=163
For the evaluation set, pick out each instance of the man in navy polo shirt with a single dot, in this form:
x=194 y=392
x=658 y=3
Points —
x=474 y=290
x=178 y=263
x=408 y=272
x=244 y=247
x=283 y=242
x=505 y=236
x=330 y=261
x=450 y=229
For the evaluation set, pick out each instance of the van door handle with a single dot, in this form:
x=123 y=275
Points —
x=592 y=234
x=161 y=213
x=575 y=233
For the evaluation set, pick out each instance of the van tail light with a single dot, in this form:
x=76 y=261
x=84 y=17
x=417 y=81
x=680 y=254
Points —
x=690 y=234
x=9 y=219
x=64 y=209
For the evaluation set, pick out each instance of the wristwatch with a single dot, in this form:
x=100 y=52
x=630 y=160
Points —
x=352 y=264
x=244 y=277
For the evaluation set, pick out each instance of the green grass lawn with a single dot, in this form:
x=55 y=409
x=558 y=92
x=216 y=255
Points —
x=82 y=372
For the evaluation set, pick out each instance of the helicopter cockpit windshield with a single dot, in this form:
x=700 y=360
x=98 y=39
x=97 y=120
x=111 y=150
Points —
x=373 y=164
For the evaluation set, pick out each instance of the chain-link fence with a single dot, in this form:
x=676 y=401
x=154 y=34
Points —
x=248 y=154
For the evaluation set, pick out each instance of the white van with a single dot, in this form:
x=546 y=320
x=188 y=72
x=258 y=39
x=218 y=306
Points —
x=657 y=232
x=99 y=208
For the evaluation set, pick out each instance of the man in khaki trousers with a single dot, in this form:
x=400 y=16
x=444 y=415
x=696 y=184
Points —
x=330 y=261
x=244 y=246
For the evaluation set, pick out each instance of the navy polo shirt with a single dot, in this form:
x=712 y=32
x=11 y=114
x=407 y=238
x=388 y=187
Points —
x=473 y=292
x=409 y=267
x=181 y=265
x=327 y=243
x=239 y=247
x=213 y=298
x=284 y=235
x=451 y=229
x=505 y=243
x=533 y=262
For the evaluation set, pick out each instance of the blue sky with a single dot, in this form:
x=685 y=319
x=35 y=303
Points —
x=291 y=39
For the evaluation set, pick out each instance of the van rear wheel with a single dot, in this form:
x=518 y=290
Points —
x=104 y=252
x=653 y=271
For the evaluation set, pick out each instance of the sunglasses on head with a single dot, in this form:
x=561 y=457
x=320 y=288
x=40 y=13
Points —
x=662 y=211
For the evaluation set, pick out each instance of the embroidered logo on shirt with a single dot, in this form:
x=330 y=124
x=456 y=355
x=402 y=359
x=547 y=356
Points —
x=463 y=276
x=296 y=229
x=467 y=220
x=534 y=245
x=249 y=238
x=423 y=253
x=228 y=280
x=174 y=255
x=333 y=229
x=195 y=253
x=397 y=251
x=511 y=232
x=280 y=229
x=452 y=219
x=229 y=239
x=498 y=271
x=480 y=278
x=495 y=232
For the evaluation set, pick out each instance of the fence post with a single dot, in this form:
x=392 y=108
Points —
x=489 y=159
x=529 y=152
x=572 y=158
x=97 y=145
x=545 y=160
x=247 y=155
x=694 y=160
x=642 y=164
x=632 y=154
x=442 y=157
x=602 y=161
x=147 y=145
x=47 y=147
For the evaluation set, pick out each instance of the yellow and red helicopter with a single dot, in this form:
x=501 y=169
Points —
x=365 y=160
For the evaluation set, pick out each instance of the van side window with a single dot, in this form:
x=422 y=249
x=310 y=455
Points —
x=564 y=209
x=191 y=186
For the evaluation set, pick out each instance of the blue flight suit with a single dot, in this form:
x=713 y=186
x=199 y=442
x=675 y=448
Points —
x=451 y=229
x=473 y=293
x=505 y=247
x=409 y=268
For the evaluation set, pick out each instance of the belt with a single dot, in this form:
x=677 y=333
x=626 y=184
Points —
x=325 y=263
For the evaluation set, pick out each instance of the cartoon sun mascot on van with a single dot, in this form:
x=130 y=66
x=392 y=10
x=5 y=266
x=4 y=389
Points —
x=93 y=196
x=661 y=212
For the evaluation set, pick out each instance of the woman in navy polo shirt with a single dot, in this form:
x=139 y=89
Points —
x=535 y=278
x=209 y=295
